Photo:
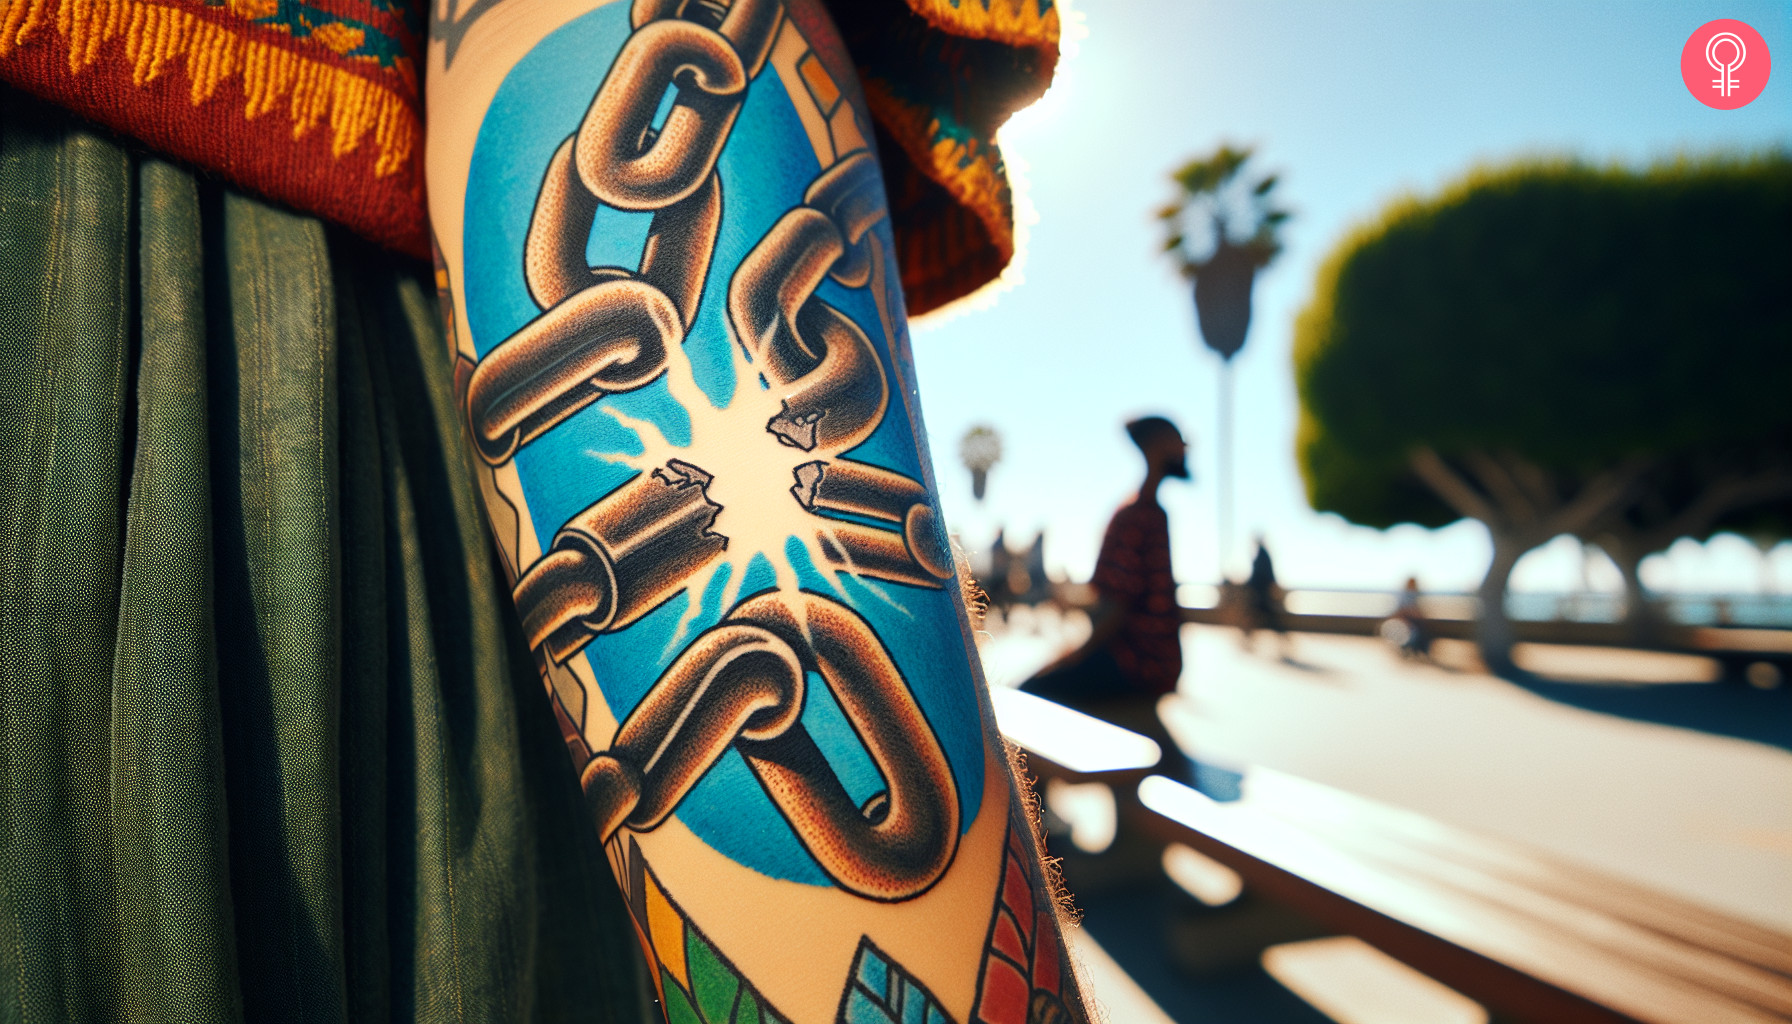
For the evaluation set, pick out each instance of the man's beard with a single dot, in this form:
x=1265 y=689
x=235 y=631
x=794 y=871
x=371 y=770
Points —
x=1178 y=468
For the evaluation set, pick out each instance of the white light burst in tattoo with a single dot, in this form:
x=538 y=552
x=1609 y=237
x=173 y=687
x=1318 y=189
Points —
x=760 y=514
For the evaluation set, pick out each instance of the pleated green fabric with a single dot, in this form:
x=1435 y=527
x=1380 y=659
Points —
x=269 y=747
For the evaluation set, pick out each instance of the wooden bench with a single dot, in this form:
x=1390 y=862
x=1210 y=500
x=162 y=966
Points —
x=1062 y=743
x=1737 y=648
x=1530 y=938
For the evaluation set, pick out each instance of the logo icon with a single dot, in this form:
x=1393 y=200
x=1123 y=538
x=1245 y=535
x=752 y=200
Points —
x=1726 y=80
x=1725 y=64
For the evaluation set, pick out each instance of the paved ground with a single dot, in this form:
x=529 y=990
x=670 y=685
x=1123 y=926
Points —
x=1586 y=770
x=1684 y=786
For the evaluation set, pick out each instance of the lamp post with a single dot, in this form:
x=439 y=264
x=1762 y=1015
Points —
x=980 y=449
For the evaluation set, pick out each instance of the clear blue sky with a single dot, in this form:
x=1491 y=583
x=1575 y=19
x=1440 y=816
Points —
x=1354 y=104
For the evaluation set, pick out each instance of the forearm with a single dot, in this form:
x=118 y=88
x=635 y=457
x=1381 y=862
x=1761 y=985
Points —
x=703 y=466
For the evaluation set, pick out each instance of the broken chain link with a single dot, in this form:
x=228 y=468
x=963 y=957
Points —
x=741 y=684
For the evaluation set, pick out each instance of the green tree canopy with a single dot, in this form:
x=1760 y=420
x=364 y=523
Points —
x=1530 y=346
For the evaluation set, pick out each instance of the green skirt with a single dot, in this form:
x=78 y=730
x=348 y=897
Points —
x=270 y=748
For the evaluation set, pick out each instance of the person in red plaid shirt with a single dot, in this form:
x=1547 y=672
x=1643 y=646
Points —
x=1133 y=655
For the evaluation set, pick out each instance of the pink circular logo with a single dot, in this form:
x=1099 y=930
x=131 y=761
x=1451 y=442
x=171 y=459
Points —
x=1725 y=64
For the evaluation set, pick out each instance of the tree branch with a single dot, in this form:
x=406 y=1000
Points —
x=1504 y=489
x=1721 y=498
x=1534 y=479
x=1603 y=494
x=1456 y=492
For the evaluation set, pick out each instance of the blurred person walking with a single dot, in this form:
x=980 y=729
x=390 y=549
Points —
x=1133 y=656
x=1263 y=599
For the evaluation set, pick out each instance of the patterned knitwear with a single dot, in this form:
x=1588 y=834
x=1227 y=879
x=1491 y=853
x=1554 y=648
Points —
x=318 y=104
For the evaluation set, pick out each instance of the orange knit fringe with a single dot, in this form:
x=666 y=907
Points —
x=1010 y=22
x=156 y=36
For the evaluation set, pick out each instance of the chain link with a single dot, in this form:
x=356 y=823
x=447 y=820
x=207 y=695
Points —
x=838 y=391
x=605 y=330
x=741 y=684
x=620 y=558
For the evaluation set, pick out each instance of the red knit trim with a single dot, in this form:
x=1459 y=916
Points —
x=336 y=137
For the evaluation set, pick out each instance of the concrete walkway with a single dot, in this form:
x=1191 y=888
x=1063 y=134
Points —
x=1707 y=817
x=1585 y=766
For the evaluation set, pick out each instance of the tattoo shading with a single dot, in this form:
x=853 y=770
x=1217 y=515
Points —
x=695 y=982
x=741 y=684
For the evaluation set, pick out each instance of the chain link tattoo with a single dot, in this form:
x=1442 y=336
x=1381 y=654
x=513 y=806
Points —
x=741 y=684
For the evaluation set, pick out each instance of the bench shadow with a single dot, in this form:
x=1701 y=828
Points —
x=1294 y=662
x=1320 y=673
x=1138 y=924
x=1722 y=709
x=1197 y=963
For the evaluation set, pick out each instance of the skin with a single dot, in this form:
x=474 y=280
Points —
x=795 y=937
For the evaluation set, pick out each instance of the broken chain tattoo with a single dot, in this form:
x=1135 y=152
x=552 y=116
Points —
x=809 y=388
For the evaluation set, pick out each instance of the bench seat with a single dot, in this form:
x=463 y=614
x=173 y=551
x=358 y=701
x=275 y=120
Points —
x=1529 y=937
x=1066 y=744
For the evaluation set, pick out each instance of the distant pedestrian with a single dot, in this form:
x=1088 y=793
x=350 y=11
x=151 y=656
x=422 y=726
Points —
x=1263 y=598
x=1133 y=656
x=1406 y=629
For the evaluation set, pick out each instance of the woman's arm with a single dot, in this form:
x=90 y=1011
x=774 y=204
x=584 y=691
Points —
x=684 y=365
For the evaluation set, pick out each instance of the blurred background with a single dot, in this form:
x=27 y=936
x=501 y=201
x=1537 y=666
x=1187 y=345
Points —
x=1518 y=334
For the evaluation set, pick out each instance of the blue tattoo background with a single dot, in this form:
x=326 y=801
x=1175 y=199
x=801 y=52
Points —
x=766 y=166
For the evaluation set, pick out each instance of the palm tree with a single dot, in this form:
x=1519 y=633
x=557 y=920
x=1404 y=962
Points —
x=1221 y=229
